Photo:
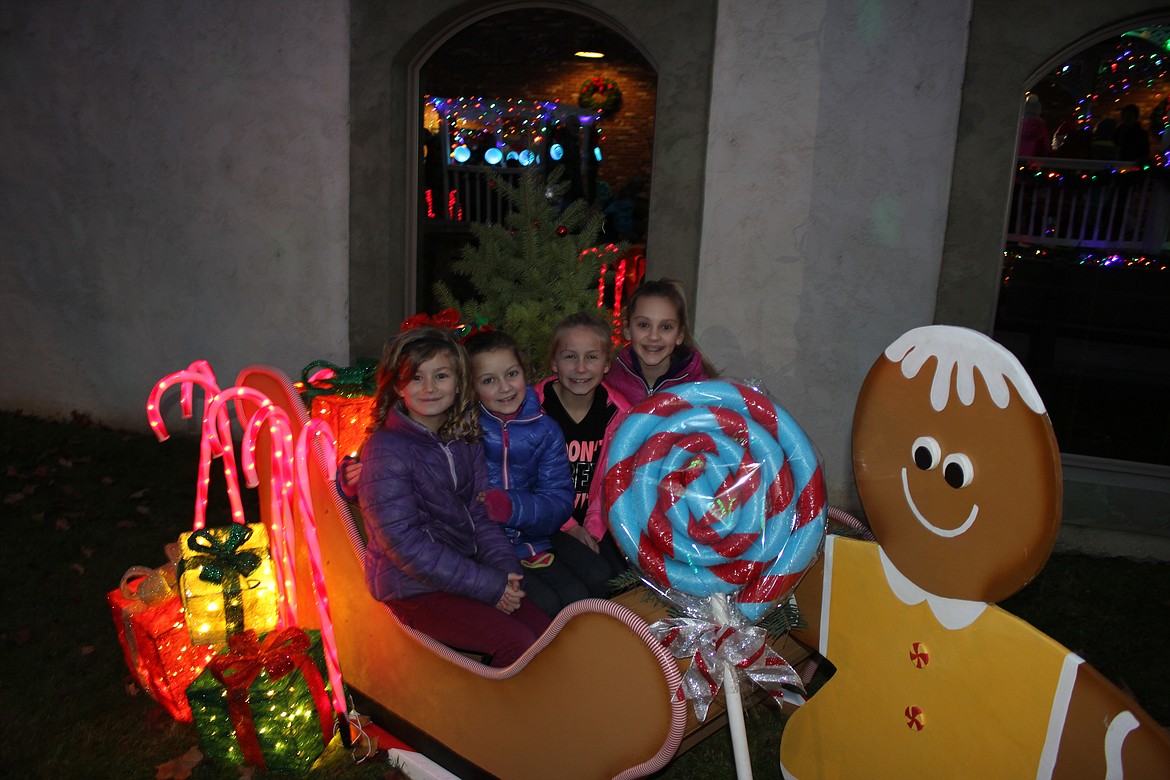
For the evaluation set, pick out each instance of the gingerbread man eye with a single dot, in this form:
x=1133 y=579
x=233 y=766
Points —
x=926 y=453
x=958 y=470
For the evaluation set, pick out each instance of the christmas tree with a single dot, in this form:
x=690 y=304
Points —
x=541 y=265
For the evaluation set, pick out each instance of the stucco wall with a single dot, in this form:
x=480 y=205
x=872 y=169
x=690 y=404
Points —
x=829 y=157
x=173 y=187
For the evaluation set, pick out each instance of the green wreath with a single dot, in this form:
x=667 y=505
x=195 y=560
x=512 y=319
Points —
x=599 y=92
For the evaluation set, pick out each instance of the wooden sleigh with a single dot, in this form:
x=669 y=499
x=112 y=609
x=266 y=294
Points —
x=595 y=697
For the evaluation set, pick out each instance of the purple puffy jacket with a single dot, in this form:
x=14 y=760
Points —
x=427 y=532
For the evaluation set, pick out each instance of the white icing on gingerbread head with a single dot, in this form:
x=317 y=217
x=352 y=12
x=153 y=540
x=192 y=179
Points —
x=961 y=352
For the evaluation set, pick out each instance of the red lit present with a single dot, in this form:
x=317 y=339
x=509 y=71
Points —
x=158 y=650
x=350 y=419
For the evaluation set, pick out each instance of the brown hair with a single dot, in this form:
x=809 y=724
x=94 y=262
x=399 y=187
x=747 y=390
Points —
x=581 y=319
x=671 y=290
x=402 y=357
x=491 y=341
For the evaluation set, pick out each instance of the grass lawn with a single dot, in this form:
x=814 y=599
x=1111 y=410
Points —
x=82 y=504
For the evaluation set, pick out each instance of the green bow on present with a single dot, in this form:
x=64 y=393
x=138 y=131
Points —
x=355 y=381
x=223 y=563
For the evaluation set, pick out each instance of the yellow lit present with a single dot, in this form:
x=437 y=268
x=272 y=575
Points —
x=227 y=582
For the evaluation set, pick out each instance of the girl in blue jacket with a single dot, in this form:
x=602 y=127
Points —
x=532 y=490
x=433 y=555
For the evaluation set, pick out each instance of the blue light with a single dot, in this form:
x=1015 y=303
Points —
x=461 y=154
x=511 y=156
x=556 y=151
x=526 y=158
x=597 y=153
x=493 y=156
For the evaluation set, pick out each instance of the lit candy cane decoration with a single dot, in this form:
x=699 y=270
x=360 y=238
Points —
x=212 y=443
x=319 y=431
x=280 y=497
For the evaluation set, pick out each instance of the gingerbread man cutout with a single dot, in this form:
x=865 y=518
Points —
x=959 y=473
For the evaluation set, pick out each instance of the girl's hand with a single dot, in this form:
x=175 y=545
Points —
x=510 y=601
x=353 y=470
x=579 y=533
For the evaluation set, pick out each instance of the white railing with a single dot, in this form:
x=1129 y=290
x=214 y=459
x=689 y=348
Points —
x=1092 y=204
x=464 y=194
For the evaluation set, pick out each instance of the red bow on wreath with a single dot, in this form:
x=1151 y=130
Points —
x=447 y=319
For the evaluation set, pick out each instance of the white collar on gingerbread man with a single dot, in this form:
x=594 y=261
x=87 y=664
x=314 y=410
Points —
x=952 y=614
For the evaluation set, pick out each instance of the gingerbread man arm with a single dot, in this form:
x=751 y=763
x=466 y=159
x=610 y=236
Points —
x=1106 y=734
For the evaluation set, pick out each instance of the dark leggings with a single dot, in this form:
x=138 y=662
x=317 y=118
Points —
x=576 y=573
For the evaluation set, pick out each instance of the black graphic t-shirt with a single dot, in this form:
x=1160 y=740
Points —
x=582 y=439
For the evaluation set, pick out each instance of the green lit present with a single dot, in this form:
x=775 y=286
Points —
x=227 y=582
x=264 y=703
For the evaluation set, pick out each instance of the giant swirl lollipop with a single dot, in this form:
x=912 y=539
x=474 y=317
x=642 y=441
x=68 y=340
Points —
x=716 y=495
x=714 y=489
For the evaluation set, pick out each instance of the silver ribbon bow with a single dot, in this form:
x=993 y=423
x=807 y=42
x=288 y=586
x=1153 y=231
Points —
x=712 y=648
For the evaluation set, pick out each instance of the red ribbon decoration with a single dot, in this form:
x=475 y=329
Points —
x=447 y=319
x=280 y=654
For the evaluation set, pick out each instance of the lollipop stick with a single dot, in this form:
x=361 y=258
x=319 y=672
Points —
x=732 y=699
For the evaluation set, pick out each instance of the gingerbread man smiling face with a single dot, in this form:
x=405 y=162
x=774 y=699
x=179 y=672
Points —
x=957 y=465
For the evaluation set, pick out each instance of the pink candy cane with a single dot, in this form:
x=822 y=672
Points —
x=280 y=496
x=318 y=431
x=212 y=443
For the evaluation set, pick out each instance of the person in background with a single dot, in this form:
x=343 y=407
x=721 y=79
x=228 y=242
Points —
x=1034 y=137
x=1133 y=142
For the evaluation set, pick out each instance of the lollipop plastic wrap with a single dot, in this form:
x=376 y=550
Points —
x=713 y=490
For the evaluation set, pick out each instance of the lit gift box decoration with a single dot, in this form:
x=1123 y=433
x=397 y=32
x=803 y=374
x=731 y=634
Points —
x=344 y=398
x=158 y=650
x=264 y=703
x=227 y=583
x=350 y=419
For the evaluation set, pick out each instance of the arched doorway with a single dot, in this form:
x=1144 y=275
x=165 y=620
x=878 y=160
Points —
x=1086 y=282
x=505 y=93
x=389 y=45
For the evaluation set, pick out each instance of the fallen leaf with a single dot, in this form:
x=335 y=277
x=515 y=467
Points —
x=139 y=493
x=86 y=649
x=87 y=552
x=107 y=481
x=29 y=489
x=62 y=524
x=13 y=498
x=65 y=463
x=142 y=509
x=132 y=688
x=179 y=768
x=77 y=567
x=41 y=471
x=125 y=524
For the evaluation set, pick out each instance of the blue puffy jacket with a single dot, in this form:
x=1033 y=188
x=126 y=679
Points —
x=427 y=530
x=526 y=459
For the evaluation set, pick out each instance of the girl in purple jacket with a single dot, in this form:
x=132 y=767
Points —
x=662 y=351
x=433 y=555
